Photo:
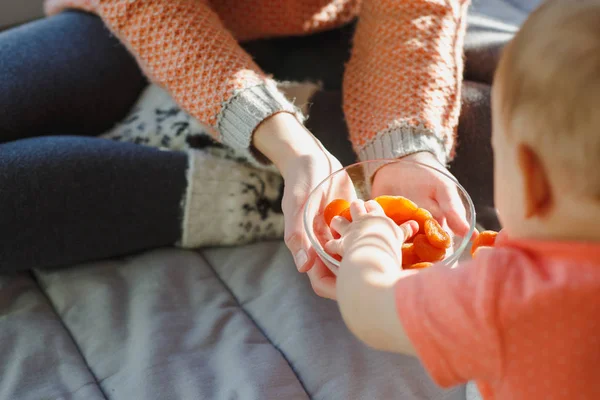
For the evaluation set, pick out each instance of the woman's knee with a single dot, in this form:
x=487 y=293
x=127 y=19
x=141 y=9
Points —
x=64 y=75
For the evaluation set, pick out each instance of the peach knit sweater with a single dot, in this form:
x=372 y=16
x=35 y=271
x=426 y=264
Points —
x=401 y=86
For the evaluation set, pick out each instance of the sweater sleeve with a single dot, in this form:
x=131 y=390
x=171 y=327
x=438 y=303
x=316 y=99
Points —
x=402 y=84
x=183 y=46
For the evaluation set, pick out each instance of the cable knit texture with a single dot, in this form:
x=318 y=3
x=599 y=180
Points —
x=401 y=87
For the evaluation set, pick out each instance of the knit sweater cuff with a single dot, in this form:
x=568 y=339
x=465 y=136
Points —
x=397 y=142
x=242 y=114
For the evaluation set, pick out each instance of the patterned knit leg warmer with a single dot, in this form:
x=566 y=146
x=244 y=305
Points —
x=228 y=201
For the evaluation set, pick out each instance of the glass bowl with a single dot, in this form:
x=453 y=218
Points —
x=352 y=183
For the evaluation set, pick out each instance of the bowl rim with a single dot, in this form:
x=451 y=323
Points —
x=321 y=253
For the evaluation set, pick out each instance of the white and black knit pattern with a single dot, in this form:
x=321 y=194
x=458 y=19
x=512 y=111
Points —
x=229 y=200
x=157 y=121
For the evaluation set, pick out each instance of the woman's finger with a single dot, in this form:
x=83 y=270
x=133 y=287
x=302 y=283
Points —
x=322 y=280
x=453 y=209
x=295 y=236
x=299 y=246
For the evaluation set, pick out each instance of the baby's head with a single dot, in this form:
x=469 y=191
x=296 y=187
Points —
x=546 y=120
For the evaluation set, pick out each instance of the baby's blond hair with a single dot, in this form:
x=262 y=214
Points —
x=549 y=90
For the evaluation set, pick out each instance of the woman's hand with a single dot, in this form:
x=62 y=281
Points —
x=304 y=163
x=425 y=187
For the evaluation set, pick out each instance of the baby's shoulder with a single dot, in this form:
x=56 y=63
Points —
x=522 y=276
x=548 y=283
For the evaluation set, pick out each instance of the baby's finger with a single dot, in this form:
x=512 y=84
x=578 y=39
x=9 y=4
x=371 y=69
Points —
x=374 y=208
x=340 y=224
x=408 y=230
x=357 y=209
x=335 y=247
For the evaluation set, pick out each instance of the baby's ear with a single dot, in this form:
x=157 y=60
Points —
x=536 y=185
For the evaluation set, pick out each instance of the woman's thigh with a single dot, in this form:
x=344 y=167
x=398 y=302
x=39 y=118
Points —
x=64 y=75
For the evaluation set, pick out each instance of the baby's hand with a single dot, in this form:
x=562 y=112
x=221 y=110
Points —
x=370 y=230
x=371 y=247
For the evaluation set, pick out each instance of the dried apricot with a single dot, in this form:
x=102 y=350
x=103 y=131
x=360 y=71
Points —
x=421 y=215
x=484 y=239
x=425 y=251
x=398 y=208
x=335 y=208
x=346 y=214
x=436 y=235
x=408 y=254
x=420 y=265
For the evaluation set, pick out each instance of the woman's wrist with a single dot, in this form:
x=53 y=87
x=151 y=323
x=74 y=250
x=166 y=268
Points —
x=423 y=156
x=282 y=138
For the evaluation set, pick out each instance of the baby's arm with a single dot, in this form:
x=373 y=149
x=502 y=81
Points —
x=367 y=299
x=371 y=266
x=446 y=317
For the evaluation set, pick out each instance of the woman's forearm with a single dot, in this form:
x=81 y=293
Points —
x=402 y=84
x=183 y=46
x=283 y=138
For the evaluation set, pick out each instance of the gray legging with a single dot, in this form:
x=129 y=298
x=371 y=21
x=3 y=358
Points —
x=68 y=197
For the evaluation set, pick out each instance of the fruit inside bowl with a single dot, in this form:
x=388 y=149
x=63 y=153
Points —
x=433 y=243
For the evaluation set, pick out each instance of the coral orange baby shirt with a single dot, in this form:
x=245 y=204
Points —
x=522 y=319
